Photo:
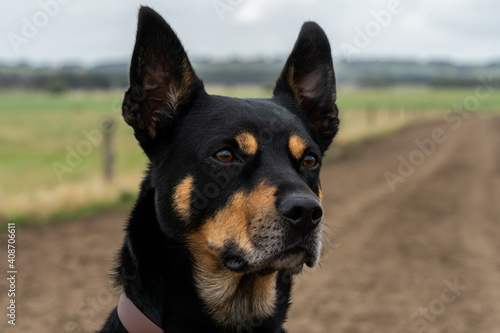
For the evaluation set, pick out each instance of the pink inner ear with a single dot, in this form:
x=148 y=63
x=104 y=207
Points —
x=309 y=85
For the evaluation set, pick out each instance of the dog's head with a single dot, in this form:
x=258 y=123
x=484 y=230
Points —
x=236 y=179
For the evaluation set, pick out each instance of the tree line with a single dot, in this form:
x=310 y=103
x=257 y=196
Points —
x=253 y=72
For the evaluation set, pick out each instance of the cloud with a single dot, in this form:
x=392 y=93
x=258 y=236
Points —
x=93 y=30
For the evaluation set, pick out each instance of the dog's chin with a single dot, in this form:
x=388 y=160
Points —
x=291 y=261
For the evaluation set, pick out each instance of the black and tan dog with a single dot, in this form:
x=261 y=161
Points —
x=229 y=209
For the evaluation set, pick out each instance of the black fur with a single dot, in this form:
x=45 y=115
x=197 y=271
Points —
x=180 y=128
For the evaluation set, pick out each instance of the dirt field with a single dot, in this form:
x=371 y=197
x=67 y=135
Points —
x=424 y=258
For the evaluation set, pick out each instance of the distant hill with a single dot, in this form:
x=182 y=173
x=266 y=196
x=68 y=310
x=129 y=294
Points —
x=387 y=73
x=256 y=72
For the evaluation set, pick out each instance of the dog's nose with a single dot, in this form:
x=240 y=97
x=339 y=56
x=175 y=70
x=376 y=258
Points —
x=303 y=212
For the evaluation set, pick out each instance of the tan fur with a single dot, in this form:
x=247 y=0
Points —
x=292 y=84
x=182 y=198
x=297 y=146
x=248 y=143
x=175 y=95
x=187 y=81
x=163 y=94
x=233 y=298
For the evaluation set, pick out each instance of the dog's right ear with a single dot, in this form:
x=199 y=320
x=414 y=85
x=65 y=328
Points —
x=162 y=80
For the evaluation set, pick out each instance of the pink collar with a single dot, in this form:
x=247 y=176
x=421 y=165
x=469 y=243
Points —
x=133 y=319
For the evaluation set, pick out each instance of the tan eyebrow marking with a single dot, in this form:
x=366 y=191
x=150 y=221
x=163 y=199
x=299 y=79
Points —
x=247 y=142
x=297 y=146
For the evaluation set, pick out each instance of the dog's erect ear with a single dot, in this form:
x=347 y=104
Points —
x=309 y=78
x=162 y=80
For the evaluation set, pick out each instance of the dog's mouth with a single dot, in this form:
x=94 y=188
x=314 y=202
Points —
x=291 y=260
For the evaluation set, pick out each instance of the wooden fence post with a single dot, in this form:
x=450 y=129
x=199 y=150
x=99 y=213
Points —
x=108 y=128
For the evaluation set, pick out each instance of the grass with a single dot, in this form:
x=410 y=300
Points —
x=389 y=99
x=416 y=99
x=38 y=130
x=125 y=200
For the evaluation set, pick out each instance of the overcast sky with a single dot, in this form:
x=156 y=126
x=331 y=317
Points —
x=92 y=31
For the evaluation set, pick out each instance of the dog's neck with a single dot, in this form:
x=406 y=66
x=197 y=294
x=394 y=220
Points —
x=160 y=277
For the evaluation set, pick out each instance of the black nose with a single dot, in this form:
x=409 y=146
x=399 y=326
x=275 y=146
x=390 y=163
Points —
x=303 y=212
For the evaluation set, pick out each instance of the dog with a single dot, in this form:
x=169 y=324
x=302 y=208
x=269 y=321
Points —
x=230 y=207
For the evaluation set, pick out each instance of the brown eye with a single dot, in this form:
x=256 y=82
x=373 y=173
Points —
x=309 y=161
x=224 y=156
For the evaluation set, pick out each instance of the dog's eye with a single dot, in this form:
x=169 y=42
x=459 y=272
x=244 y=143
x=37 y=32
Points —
x=224 y=156
x=309 y=161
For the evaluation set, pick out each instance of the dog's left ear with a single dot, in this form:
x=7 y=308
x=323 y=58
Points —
x=162 y=80
x=309 y=78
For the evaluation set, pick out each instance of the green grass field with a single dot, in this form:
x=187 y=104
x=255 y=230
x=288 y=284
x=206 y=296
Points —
x=37 y=130
x=418 y=99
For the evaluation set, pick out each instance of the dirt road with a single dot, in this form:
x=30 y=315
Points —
x=422 y=258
